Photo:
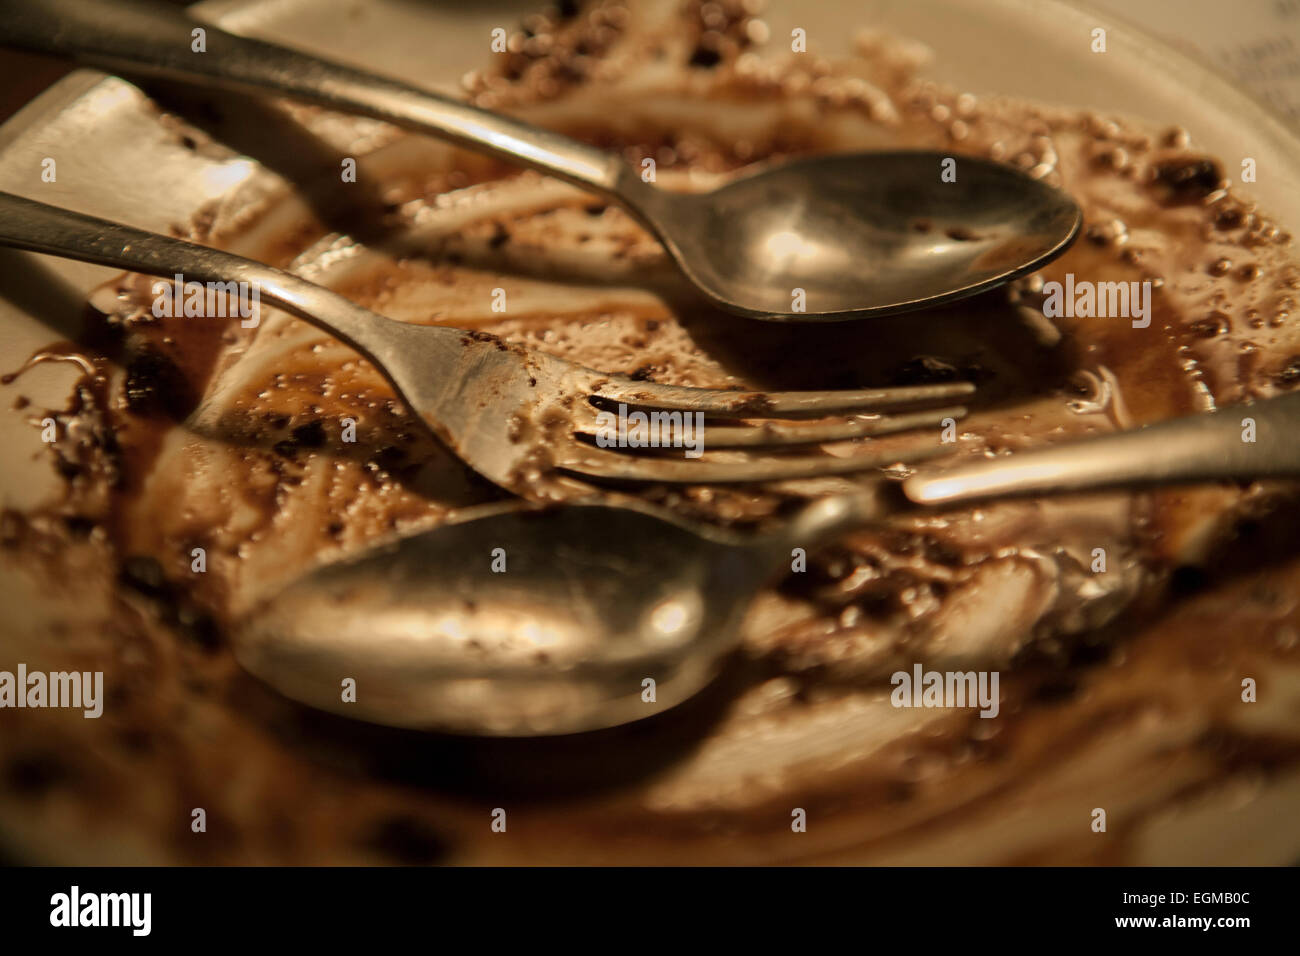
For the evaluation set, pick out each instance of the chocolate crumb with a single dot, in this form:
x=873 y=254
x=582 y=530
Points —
x=1289 y=377
x=1216 y=323
x=1230 y=218
x=79 y=526
x=705 y=57
x=144 y=575
x=155 y=386
x=1190 y=179
x=925 y=370
x=310 y=435
x=198 y=626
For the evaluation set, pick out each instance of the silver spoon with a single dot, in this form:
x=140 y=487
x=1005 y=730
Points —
x=594 y=600
x=831 y=237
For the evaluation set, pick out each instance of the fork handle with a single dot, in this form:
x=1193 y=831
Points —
x=156 y=39
x=1220 y=445
x=37 y=227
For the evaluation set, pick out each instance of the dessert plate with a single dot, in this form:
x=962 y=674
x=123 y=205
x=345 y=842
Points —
x=718 y=781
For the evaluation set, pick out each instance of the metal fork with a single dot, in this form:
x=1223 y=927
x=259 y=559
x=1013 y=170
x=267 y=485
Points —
x=524 y=419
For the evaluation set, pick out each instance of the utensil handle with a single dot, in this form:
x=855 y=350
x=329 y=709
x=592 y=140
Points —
x=37 y=227
x=154 y=38
x=1193 y=448
x=1189 y=449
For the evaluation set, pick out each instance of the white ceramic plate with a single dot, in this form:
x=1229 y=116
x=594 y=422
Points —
x=115 y=159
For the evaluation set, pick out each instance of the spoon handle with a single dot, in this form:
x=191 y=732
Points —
x=152 y=38
x=1235 y=443
x=1238 y=442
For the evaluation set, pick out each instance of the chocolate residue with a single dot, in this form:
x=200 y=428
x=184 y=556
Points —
x=1118 y=688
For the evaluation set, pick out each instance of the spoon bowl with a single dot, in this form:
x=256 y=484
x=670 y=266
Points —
x=849 y=236
x=518 y=621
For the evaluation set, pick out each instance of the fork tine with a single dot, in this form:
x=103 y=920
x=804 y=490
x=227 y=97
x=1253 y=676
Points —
x=750 y=404
x=773 y=435
x=613 y=465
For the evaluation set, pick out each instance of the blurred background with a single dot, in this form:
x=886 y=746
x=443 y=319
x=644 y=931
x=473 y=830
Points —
x=1256 y=43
